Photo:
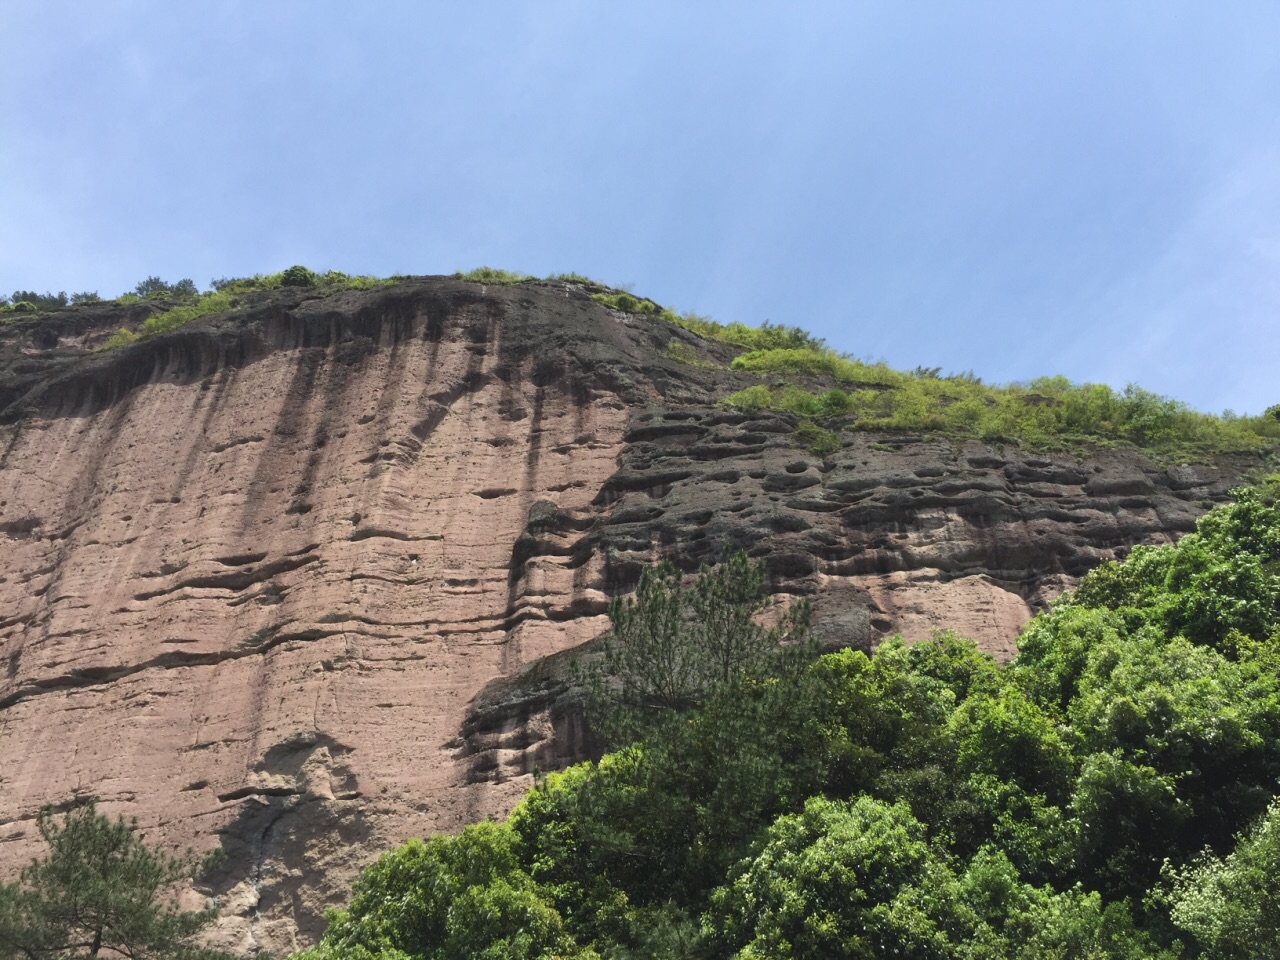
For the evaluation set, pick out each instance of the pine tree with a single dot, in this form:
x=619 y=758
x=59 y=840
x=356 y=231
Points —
x=100 y=891
x=671 y=644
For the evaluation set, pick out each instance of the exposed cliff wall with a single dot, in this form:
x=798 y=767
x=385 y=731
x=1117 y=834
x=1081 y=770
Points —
x=263 y=576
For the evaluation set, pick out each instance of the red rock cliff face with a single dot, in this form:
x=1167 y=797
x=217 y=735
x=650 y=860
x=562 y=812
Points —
x=257 y=572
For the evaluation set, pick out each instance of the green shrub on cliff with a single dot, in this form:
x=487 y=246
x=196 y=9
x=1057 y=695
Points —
x=767 y=336
x=31 y=300
x=1049 y=412
x=629 y=303
x=225 y=295
x=297 y=276
x=184 y=313
x=121 y=338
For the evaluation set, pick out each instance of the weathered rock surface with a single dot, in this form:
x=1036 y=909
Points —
x=285 y=580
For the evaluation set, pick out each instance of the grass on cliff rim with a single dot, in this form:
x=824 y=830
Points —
x=767 y=336
x=1049 y=412
x=629 y=303
x=492 y=275
x=807 y=361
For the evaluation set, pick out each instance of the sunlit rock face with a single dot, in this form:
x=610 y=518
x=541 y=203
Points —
x=283 y=581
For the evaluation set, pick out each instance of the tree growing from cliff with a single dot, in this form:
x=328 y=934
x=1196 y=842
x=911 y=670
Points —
x=154 y=285
x=100 y=891
x=670 y=645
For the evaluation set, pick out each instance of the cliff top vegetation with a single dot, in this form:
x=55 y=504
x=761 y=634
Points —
x=799 y=374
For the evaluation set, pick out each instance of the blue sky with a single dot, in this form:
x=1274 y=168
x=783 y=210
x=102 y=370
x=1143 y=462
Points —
x=1016 y=189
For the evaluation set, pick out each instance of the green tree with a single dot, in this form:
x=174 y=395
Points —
x=1232 y=906
x=154 y=286
x=40 y=301
x=297 y=276
x=145 y=288
x=449 y=898
x=1019 y=921
x=670 y=645
x=1185 y=747
x=855 y=880
x=99 y=891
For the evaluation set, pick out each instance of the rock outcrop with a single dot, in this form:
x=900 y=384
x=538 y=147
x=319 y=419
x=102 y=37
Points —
x=297 y=580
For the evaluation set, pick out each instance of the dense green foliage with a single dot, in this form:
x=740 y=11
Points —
x=803 y=361
x=1047 y=412
x=99 y=890
x=1109 y=793
x=767 y=336
x=1232 y=906
x=295 y=276
x=464 y=896
x=628 y=303
x=26 y=301
x=121 y=338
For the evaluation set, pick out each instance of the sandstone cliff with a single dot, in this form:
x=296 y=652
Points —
x=283 y=581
